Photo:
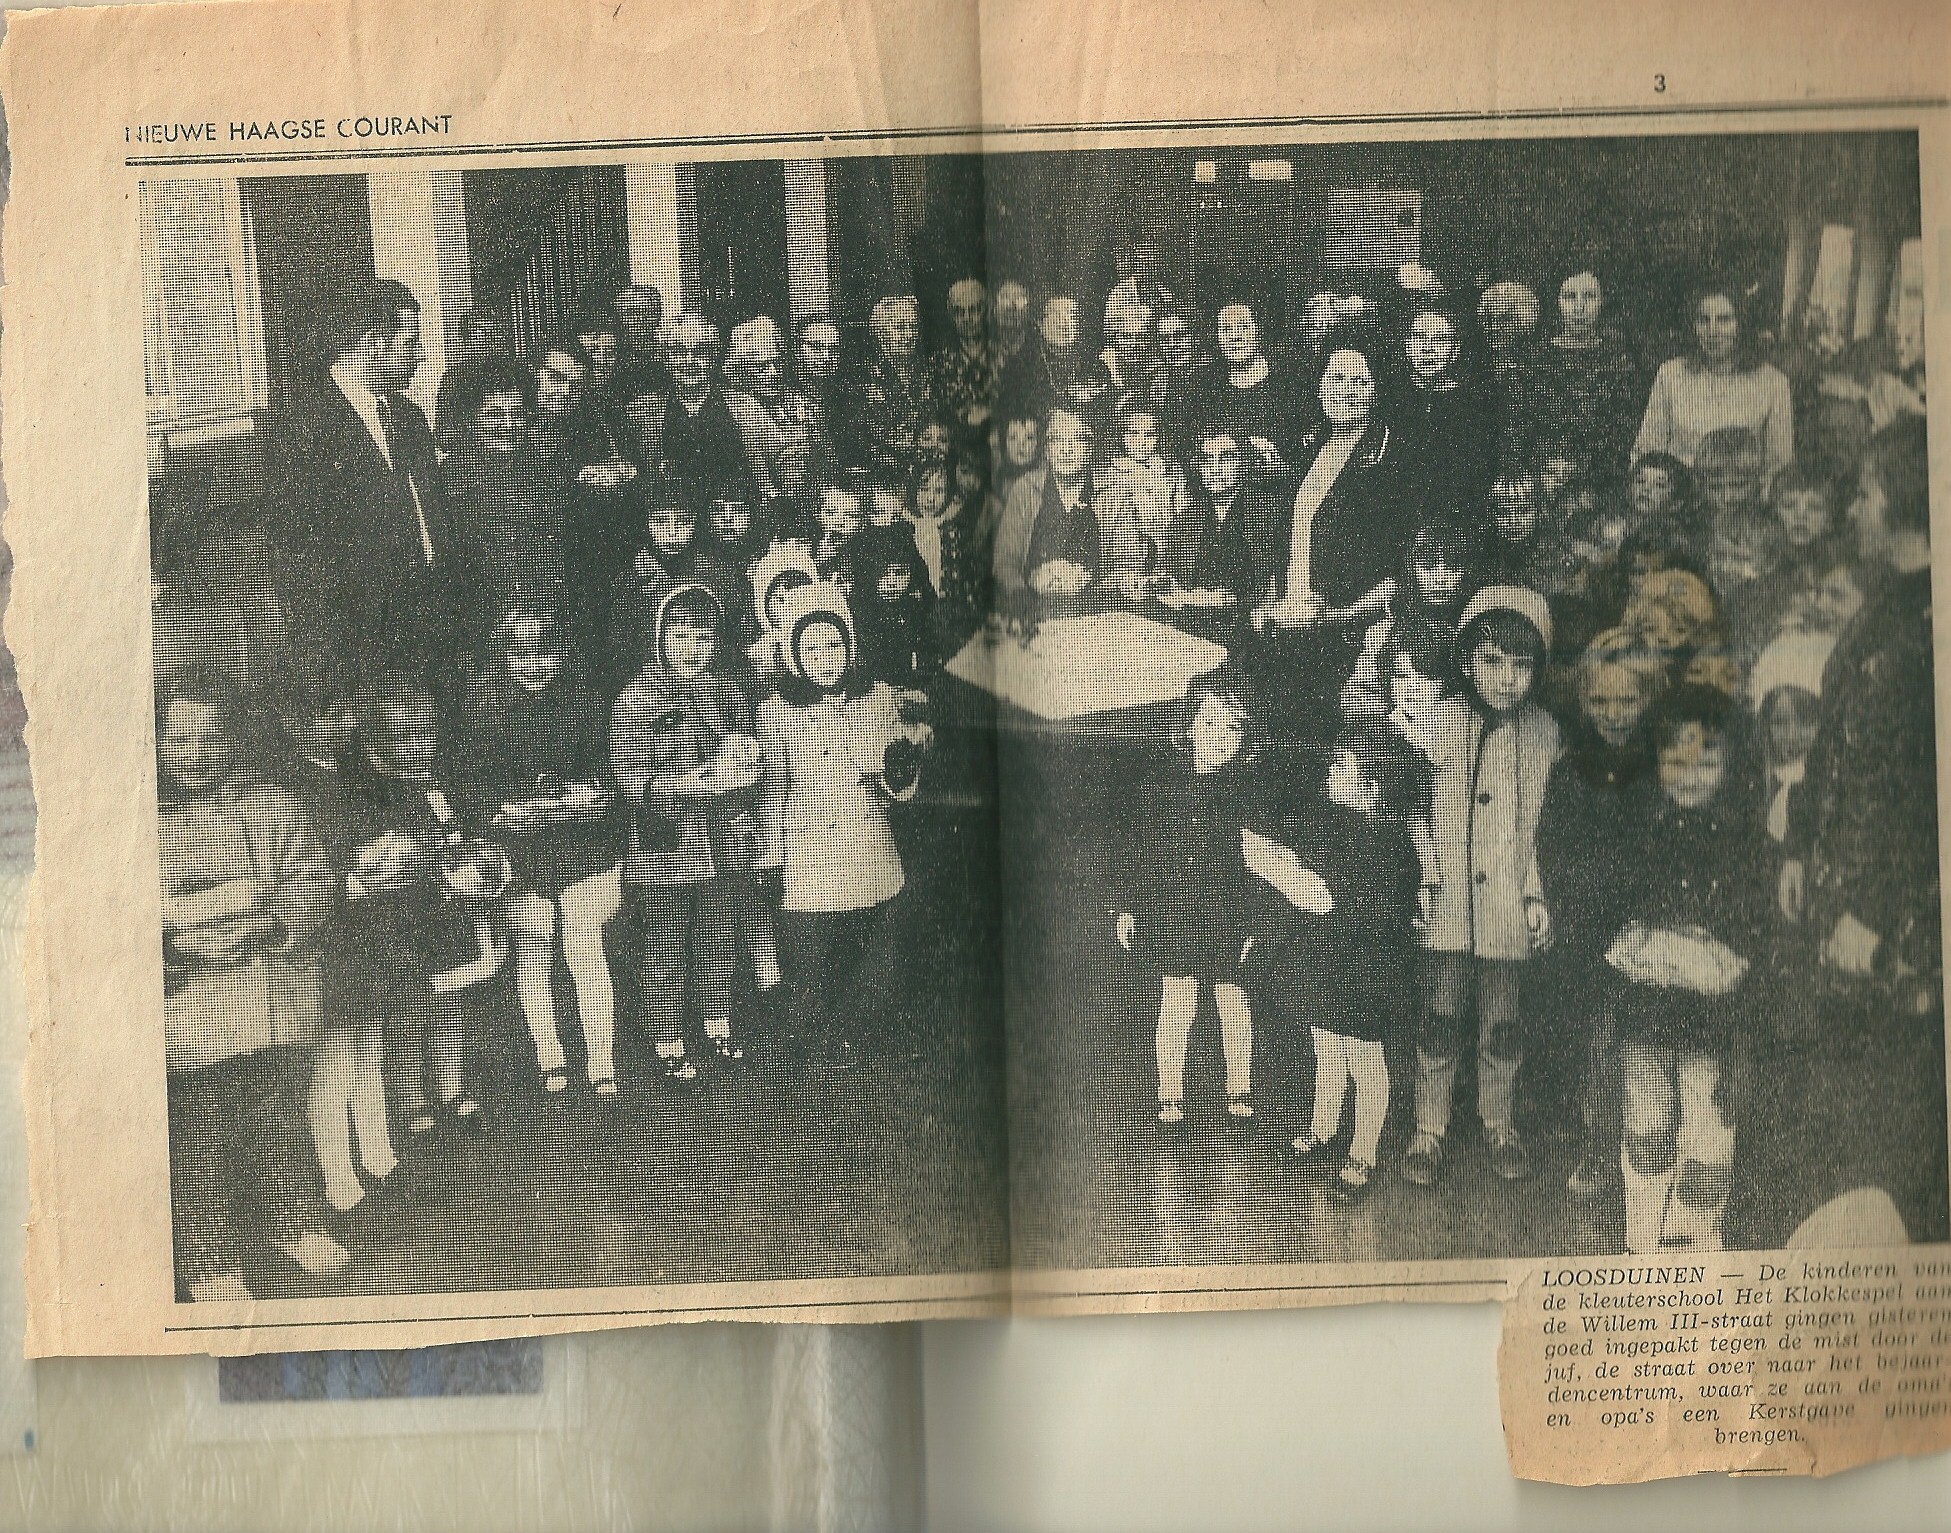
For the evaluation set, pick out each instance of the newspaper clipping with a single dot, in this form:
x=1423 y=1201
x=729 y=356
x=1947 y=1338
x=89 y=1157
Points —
x=863 y=675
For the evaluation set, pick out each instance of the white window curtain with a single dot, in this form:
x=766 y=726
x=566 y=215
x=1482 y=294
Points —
x=203 y=328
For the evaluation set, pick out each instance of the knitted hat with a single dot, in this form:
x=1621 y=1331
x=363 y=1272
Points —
x=690 y=591
x=780 y=559
x=1522 y=600
x=821 y=602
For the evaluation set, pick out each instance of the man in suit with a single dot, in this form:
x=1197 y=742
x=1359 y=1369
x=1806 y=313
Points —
x=369 y=553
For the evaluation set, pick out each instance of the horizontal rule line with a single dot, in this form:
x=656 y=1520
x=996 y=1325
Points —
x=1025 y=130
x=727 y=1309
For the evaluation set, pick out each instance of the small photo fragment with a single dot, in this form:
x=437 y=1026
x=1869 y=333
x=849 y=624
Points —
x=465 y=1370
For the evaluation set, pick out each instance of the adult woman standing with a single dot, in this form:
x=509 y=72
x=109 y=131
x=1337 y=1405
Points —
x=1324 y=555
x=784 y=453
x=1586 y=380
x=1248 y=397
x=1720 y=384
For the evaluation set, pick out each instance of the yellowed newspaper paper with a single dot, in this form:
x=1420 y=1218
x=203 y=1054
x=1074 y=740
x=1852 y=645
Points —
x=1613 y=1372
x=663 y=685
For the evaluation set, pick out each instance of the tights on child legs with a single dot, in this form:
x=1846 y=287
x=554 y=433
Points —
x=1678 y=1149
x=1178 y=1005
x=1337 y=1061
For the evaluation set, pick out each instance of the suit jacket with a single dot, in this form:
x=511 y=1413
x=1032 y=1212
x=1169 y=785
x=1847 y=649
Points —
x=354 y=570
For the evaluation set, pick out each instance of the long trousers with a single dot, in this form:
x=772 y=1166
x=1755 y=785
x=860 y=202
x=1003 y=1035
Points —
x=1450 y=977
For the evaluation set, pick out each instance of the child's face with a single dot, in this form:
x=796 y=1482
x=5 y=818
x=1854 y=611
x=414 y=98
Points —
x=326 y=733
x=1651 y=491
x=534 y=658
x=1411 y=693
x=1692 y=765
x=687 y=647
x=1789 y=716
x=731 y=520
x=884 y=506
x=1501 y=679
x=839 y=515
x=1732 y=486
x=775 y=598
x=409 y=737
x=1347 y=787
x=932 y=441
x=1836 y=599
x=1656 y=622
x=894 y=582
x=1804 y=515
x=823 y=655
x=1022 y=442
x=968 y=479
x=1437 y=580
x=1221 y=466
x=1141 y=437
x=931 y=496
x=671 y=530
x=1555 y=473
x=1614 y=701
x=1217 y=732
x=195 y=749
x=1517 y=517
x=1735 y=562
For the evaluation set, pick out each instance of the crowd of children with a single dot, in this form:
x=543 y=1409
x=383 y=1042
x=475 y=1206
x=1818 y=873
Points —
x=1559 y=754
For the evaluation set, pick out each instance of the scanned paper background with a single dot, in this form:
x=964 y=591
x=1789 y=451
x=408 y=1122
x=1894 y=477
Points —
x=91 y=555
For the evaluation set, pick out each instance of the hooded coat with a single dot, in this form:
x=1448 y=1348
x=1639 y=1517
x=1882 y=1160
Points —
x=829 y=780
x=662 y=728
x=1489 y=792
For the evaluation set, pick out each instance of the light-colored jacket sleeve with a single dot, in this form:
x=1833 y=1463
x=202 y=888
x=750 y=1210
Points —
x=1656 y=425
x=1778 y=430
x=775 y=781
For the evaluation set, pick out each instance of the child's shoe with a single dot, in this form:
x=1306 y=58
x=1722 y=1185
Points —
x=1239 y=1107
x=1171 y=1112
x=1352 y=1182
x=316 y=1253
x=1508 y=1156
x=1594 y=1173
x=1308 y=1150
x=1422 y=1162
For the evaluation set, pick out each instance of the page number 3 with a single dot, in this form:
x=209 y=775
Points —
x=1659 y=85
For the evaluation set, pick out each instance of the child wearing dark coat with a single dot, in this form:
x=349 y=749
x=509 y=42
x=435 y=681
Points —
x=1346 y=974
x=1693 y=902
x=1185 y=917
x=895 y=606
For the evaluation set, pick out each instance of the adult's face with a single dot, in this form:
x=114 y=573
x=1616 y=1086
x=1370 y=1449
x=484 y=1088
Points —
x=1221 y=466
x=640 y=310
x=195 y=747
x=1175 y=340
x=401 y=354
x=1716 y=327
x=768 y=371
x=899 y=333
x=1347 y=389
x=559 y=385
x=1069 y=446
x=1012 y=311
x=604 y=354
x=966 y=312
x=1060 y=324
x=1238 y=334
x=1431 y=346
x=1580 y=302
x=693 y=356
x=500 y=423
x=819 y=353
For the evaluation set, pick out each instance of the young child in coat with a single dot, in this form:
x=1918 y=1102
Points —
x=669 y=557
x=1185 y=916
x=347 y=1100
x=685 y=761
x=1692 y=905
x=1140 y=495
x=837 y=754
x=894 y=605
x=780 y=570
x=1344 y=975
x=534 y=767
x=424 y=884
x=1495 y=749
x=246 y=887
x=1424 y=604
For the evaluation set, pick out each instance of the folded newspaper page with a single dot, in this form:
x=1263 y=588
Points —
x=852 y=662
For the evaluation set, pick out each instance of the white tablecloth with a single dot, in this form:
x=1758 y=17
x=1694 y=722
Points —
x=1082 y=665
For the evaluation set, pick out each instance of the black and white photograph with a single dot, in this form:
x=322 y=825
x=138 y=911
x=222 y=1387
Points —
x=881 y=717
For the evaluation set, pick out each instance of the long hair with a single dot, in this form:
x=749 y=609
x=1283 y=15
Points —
x=494 y=689
x=1230 y=687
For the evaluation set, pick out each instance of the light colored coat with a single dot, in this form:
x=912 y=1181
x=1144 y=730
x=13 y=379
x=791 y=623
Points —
x=825 y=807
x=247 y=848
x=1489 y=790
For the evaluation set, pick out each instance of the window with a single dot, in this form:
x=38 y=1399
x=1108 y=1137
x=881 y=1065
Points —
x=203 y=332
